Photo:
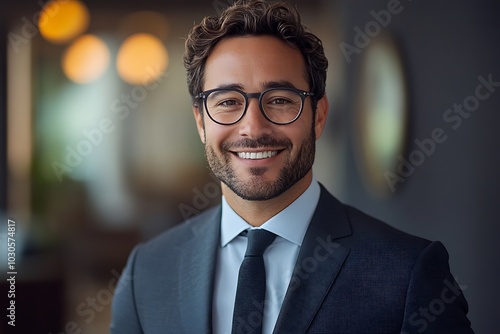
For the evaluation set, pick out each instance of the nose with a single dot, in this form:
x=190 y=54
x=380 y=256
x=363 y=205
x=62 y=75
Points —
x=254 y=124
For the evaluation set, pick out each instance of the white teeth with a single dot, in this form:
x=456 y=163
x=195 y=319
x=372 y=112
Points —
x=257 y=155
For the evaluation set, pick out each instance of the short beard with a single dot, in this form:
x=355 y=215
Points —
x=253 y=190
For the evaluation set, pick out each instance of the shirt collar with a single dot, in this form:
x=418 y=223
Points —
x=291 y=223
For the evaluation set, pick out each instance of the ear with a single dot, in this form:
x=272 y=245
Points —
x=322 y=109
x=199 y=122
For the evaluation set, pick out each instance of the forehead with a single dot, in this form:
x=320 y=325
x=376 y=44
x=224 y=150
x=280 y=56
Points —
x=253 y=61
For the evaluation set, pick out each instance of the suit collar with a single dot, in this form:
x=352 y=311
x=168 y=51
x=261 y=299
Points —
x=319 y=262
x=291 y=223
x=197 y=272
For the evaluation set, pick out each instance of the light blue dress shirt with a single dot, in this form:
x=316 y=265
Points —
x=290 y=226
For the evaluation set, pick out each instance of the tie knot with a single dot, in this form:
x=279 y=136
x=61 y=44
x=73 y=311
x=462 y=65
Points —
x=258 y=241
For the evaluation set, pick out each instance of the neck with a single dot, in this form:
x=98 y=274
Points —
x=257 y=213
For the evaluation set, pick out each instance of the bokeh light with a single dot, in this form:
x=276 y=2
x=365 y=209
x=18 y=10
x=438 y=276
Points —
x=141 y=59
x=86 y=59
x=61 y=22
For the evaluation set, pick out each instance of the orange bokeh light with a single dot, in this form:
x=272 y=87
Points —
x=60 y=21
x=86 y=59
x=139 y=56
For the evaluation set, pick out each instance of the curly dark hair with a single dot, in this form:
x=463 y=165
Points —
x=255 y=17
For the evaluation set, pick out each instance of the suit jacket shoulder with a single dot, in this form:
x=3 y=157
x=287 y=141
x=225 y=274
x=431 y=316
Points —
x=168 y=280
x=372 y=234
x=356 y=274
x=177 y=236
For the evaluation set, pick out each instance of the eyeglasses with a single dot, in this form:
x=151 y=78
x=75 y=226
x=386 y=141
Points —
x=278 y=105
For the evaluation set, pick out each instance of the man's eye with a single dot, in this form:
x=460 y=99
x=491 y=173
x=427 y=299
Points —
x=228 y=103
x=279 y=101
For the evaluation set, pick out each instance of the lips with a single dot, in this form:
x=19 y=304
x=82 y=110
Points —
x=257 y=155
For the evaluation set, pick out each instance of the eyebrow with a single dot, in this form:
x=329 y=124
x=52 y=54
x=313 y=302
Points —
x=265 y=85
x=278 y=84
x=230 y=86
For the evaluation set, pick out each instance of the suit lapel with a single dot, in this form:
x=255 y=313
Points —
x=196 y=274
x=320 y=260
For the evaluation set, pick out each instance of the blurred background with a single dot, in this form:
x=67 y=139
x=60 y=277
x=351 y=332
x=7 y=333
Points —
x=99 y=149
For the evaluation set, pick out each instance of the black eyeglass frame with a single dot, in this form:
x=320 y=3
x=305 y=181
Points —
x=302 y=93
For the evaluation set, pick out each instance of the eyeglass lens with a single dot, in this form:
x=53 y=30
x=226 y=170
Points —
x=280 y=106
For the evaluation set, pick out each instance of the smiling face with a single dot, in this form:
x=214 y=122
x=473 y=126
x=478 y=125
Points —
x=254 y=158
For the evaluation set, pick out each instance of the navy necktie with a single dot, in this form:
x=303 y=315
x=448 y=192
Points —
x=251 y=291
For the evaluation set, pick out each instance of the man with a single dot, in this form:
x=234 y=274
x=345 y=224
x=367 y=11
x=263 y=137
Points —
x=280 y=255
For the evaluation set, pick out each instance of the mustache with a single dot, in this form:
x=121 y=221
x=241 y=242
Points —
x=261 y=142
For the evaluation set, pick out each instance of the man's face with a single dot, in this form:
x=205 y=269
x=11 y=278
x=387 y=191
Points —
x=284 y=154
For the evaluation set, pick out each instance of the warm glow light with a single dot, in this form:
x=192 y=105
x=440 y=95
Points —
x=141 y=59
x=86 y=59
x=61 y=21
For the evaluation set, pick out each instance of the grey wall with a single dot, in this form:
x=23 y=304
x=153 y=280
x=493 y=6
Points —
x=454 y=195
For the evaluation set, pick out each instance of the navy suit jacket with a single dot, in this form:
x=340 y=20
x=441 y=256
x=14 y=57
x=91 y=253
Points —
x=354 y=274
